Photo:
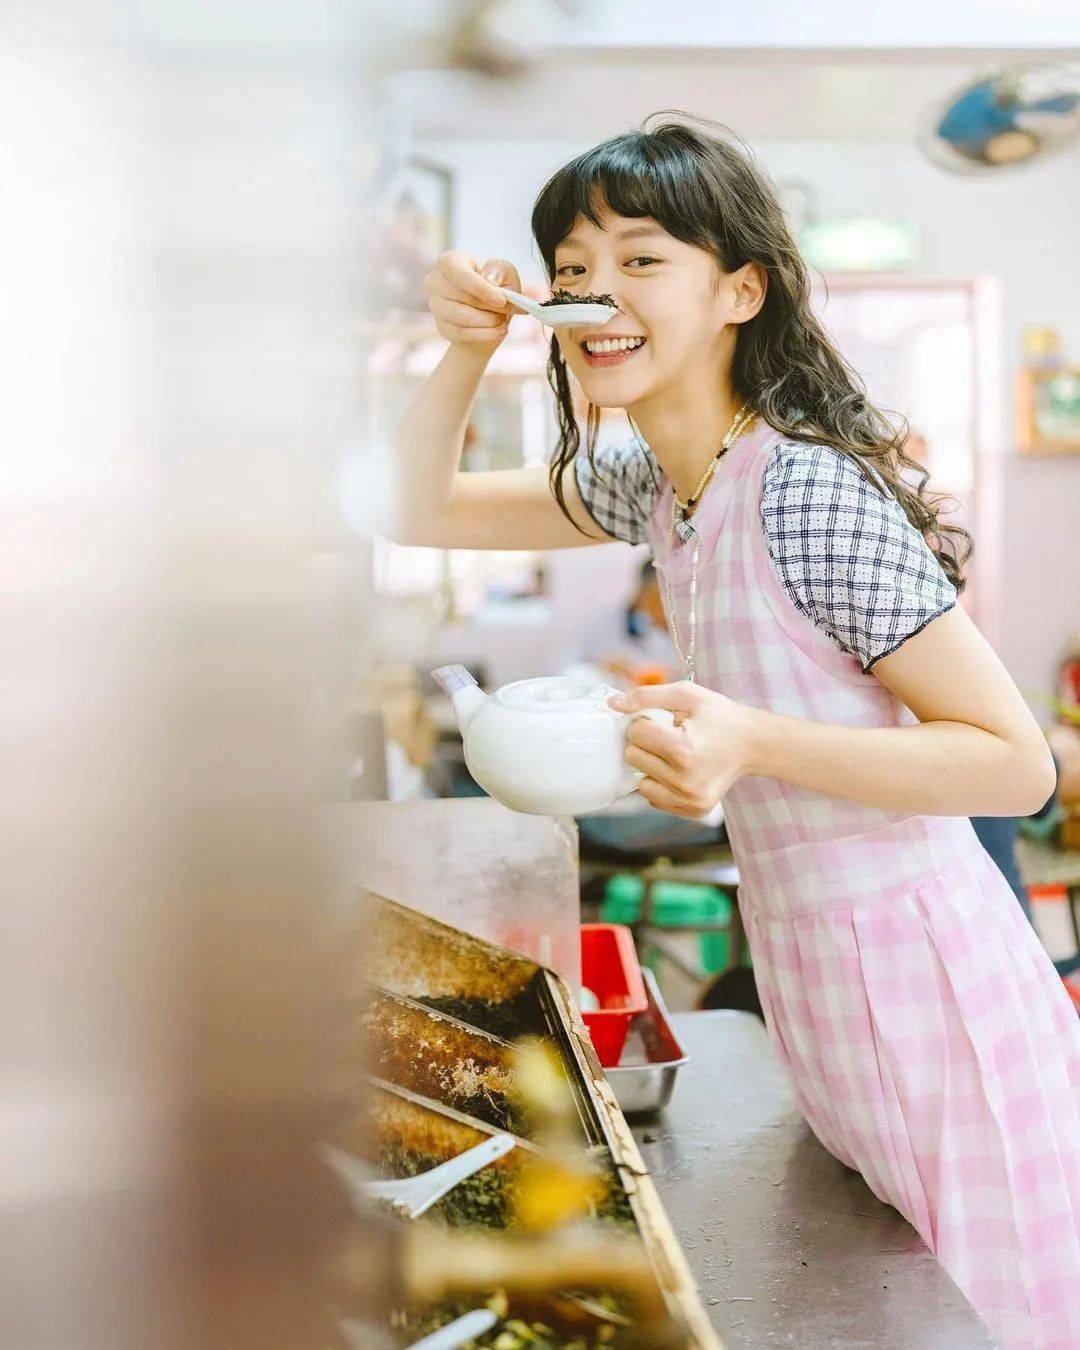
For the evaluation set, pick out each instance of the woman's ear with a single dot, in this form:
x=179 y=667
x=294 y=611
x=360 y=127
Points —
x=748 y=285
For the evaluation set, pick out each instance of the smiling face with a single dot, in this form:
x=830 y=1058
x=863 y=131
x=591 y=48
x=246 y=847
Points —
x=676 y=308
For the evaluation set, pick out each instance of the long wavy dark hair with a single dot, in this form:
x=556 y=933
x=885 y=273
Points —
x=707 y=191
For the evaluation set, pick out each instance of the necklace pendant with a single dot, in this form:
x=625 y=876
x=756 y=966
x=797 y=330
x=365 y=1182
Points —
x=685 y=530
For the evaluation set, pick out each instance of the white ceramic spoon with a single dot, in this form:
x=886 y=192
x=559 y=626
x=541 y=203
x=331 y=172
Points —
x=412 y=1196
x=561 y=316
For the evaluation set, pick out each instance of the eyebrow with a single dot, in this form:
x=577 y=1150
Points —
x=631 y=232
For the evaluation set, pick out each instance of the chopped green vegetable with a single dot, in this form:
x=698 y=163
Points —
x=484 y=1200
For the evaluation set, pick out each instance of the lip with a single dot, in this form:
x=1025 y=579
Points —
x=600 y=359
x=603 y=336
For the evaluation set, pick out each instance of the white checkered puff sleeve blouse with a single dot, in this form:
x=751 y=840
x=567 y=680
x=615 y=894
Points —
x=619 y=489
x=847 y=555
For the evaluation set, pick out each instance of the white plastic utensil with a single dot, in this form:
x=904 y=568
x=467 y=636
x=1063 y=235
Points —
x=457 y=1332
x=561 y=316
x=412 y=1196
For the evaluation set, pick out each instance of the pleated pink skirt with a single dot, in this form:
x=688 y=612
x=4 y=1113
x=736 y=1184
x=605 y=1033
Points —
x=934 y=1049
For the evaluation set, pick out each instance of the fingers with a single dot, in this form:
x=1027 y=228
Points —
x=652 y=765
x=681 y=697
x=490 y=336
x=461 y=312
x=668 y=743
x=456 y=276
x=671 y=786
x=466 y=306
x=466 y=321
x=664 y=799
x=502 y=273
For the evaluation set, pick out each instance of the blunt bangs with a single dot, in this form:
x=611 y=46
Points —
x=634 y=175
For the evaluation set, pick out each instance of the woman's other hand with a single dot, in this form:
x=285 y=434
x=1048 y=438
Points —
x=687 y=767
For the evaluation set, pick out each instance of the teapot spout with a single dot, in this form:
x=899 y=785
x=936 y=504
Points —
x=462 y=690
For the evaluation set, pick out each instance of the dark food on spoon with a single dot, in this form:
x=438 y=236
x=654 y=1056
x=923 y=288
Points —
x=569 y=298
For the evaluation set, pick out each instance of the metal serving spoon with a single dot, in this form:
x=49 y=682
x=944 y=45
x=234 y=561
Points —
x=561 y=316
x=410 y=1197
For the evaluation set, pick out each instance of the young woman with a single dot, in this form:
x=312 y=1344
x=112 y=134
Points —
x=836 y=697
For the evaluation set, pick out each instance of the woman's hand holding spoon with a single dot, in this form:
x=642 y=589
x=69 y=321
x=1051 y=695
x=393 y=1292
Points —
x=474 y=305
x=465 y=300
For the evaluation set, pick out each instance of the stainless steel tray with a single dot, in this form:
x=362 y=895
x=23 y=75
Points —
x=422 y=961
x=644 y=1078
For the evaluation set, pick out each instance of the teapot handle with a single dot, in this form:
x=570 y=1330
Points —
x=631 y=776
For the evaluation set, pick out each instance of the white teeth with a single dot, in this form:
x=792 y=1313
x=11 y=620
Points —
x=600 y=347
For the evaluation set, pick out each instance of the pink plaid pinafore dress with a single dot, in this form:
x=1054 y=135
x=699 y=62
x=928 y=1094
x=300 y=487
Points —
x=931 y=1044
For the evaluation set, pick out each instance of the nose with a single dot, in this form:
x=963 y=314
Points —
x=606 y=282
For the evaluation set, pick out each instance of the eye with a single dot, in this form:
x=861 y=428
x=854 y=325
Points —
x=569 y=269
x=644 y=259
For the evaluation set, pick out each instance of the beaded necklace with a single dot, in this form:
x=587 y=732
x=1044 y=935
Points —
x=740 y=424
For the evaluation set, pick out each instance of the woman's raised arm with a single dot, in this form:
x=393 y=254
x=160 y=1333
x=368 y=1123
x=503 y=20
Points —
x=437 y=505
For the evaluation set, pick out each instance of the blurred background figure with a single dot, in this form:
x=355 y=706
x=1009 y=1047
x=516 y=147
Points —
x=650 y=656
x=178 y=374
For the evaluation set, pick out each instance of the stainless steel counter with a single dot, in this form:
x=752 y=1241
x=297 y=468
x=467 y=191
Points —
x=789 y=1247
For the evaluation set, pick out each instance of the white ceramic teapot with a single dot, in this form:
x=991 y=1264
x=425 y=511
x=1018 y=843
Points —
x=548 y=747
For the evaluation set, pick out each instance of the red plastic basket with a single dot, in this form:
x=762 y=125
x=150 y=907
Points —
x=609 y=967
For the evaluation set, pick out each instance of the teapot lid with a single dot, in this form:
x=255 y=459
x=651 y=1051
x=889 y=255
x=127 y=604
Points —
x=555 y=693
